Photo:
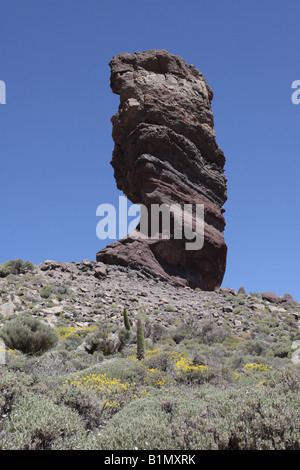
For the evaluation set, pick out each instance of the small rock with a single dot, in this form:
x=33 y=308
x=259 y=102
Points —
x=7 y=309
x=82 y=324
x=227 y=290
x=53 y=310
x=228 y=309
x=257 y=307
x=288 y=299
x=241 y=290
x=49 y=264
x=82 y=347
x=276 y=309
x=100 y=270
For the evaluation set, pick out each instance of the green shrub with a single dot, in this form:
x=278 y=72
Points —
x=45 y=292
x=38 y=424
x=124 y=336
x=179 y=333
x=15 y=267
x=29 y=335
x=162 y=360
x=210 y=333
x=12 y=386
x=232 y=342
x=85 y=402
x=158 y=332
x=211 y=419
x=195 y=374
x=286 y=379
x=140 y=425
x=282 y=350
x=255 y=348
x=56 y=362
x=237 y=310
x=102 y=341
x=157 y=378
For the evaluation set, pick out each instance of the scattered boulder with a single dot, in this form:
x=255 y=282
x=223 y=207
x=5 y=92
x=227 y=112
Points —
x=241 y=291
x=228 y=309
x=100 y=270
x=288 y=299
x=48 y=264
x=257 y=306
x=271 y=297
x=7 y=309
x=53 y=310
x=227 y=291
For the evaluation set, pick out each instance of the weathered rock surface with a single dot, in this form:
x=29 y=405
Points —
x=271 y=297
x=288 y=298
x=166 y=153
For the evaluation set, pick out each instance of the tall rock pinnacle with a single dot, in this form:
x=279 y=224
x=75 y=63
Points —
x=166 y=153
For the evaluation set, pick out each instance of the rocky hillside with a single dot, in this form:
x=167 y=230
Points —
x=216 y=370
x=80 y=294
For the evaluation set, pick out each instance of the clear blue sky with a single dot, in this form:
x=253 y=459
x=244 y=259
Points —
x=55 y=129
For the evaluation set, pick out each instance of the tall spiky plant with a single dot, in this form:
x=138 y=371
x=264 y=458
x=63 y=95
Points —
x=140 y=340
x=126 y=319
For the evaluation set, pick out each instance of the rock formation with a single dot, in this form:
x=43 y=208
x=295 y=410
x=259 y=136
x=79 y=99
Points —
x=166 y=153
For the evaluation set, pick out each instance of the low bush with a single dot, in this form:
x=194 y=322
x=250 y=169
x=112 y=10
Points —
x=125 y=336
x=209 y=333
x=159 y=359
x=245 y=419
x=29 y=335
x=12 y=386
x=38 y=424
x=101 y=341
x=180 y=332
x=15 y=267
x=255 y=348
x=85 y=402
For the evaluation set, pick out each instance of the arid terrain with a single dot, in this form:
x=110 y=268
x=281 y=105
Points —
x=219 y=369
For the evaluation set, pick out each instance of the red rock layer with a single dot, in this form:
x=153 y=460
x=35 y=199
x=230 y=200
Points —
x=166 y=153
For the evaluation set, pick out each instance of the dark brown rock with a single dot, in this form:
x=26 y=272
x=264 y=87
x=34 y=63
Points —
x=288 y=298
x=100 y=270
x=271 y=297
x=242 y=291
x=166 y=153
